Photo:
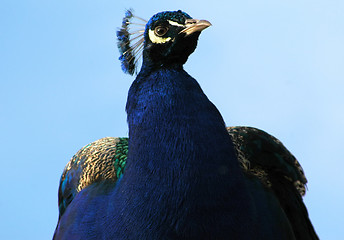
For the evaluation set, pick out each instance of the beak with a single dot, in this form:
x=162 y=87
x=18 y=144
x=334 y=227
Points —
x=195 y=25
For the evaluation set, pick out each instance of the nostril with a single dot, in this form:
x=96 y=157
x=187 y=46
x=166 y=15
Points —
x=190 y=21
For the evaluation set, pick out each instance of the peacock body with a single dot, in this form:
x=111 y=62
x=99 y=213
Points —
x=181 y=174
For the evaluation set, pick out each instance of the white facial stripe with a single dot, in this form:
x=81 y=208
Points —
x=156 y=39
x=175 y=24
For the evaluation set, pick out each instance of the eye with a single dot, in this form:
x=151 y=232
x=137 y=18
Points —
x=160 y=31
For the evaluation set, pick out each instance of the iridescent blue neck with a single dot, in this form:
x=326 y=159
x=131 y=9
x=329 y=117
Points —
x=171 y=121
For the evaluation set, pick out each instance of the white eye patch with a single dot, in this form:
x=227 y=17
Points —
x=175 y=24
x=155 y=39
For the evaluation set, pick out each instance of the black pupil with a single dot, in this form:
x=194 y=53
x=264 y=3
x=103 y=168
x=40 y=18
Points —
x=161 y=30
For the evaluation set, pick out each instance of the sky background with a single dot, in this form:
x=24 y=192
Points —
x=276 y=65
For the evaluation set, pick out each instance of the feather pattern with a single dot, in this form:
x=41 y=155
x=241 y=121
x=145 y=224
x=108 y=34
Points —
x=101 y=160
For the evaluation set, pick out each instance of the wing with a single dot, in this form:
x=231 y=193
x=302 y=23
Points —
x=265 y=157
x=100 y=160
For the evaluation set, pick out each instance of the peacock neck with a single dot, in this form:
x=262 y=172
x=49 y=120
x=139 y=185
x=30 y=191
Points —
x=173 y=127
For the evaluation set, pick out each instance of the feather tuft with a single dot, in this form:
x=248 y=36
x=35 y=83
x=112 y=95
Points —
x=130 y=42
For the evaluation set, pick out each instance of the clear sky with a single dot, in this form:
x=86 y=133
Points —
x=274 y=64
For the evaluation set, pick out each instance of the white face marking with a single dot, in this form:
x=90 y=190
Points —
x=175 y=24
x=156 y=39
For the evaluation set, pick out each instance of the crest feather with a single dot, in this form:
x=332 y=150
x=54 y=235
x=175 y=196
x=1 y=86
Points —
x=130 y=41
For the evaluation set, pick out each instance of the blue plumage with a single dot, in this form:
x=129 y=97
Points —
x=178 y=17
x=182 y=176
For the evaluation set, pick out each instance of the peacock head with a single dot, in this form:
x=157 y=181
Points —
x=167 y=39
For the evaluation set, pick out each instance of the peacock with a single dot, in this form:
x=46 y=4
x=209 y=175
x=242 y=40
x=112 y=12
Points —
x=181 y=174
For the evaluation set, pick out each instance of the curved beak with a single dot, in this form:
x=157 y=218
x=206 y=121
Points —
x=195 y=25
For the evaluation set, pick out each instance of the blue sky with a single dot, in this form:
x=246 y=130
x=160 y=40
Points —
x=276 y=65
